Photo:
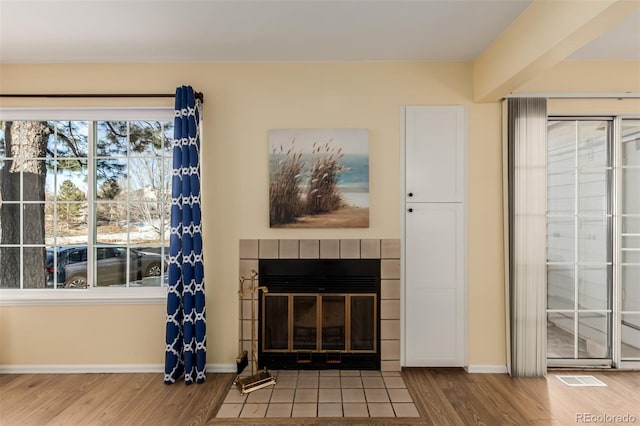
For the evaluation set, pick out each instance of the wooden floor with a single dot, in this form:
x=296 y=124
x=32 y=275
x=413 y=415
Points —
x=442 y=396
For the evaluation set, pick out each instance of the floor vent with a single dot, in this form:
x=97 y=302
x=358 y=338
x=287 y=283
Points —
x=580 y=381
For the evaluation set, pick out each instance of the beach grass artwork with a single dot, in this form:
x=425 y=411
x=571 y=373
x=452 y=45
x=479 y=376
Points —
x=318 y=178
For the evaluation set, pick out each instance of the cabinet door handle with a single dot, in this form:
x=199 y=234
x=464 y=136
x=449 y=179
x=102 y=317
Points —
x=410 y=194
x=410 y=210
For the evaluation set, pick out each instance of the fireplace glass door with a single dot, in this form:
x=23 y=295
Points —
x=319 y=322
x=362 y=323
x=333 y=323
x=277 y=331
x=305 y=322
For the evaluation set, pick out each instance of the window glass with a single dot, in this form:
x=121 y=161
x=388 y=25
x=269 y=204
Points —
x=76 y=189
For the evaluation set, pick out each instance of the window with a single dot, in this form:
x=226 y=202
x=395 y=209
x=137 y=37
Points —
x=84 y=204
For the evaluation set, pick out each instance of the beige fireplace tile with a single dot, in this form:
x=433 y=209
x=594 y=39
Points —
x=289 y=249
x=380 y=409
x=393 y=382
x=329 y=249
x=308 y=382
x=228 y=411
x=389 y=329
x=404 y=409
x=281 y=395
x=376 y=395
x=268 y=249
x=246 y=308
x=248 y=249
x=390 y=365
x=373 y=382
x=356 y=409
x=260 y=396
x=309 y=249
x=330 y=410
x=399 y=395
x=390 y=249
x=306 y=396
x=351 y=395
x=390 y=350
x=390 y=289
x=351 y=382
x=287 y=382
x=370 y=249
x=246 y=346
x=389 y=309
x=329 y=382
x=390 y=269
x=279 y=410
x=234 y=397
x=254 y=410
x=349 y=249
x=304 y=410
x=246 y=265
x=246 y=329
x=331 y=395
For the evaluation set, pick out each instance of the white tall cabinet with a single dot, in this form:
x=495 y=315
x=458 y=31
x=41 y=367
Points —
x=434 y=237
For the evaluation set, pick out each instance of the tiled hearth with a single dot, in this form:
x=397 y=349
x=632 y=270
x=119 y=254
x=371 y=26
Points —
x=324 y=393
x=387 y=250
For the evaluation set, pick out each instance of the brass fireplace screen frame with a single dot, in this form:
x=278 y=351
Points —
x=319 y=323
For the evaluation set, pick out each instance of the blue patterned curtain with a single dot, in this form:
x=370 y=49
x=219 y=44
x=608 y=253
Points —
x=186 y=339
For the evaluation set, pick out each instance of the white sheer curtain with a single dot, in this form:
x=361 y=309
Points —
x=526 y=202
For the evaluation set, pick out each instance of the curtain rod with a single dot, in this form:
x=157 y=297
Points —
x=198 y=95
x=624 y=95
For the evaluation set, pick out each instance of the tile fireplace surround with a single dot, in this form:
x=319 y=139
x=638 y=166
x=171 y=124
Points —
x=387 y=250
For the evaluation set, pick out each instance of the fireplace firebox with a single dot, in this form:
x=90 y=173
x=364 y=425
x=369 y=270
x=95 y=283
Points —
x=319 y=314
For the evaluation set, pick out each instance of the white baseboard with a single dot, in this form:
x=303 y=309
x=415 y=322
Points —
x=222 y=368
x=486 y=369
x=100 y=368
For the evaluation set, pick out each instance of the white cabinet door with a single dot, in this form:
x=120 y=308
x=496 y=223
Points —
x=434 y=317
x=434 y=236
x=434 y=165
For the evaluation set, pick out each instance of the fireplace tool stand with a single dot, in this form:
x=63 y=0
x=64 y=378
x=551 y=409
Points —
x=263 y=378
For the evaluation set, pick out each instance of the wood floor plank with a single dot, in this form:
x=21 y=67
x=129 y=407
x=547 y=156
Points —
x=429 y=397
x=442 y=397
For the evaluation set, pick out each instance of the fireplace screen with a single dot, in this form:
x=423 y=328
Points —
x=320 y=322
x=319 y=314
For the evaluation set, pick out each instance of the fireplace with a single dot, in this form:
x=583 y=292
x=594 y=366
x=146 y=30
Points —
x=319 y=314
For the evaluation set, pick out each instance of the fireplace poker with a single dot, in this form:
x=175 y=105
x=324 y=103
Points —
x=263 y=378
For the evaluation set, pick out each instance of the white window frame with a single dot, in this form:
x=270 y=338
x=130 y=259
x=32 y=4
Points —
x=93 y=295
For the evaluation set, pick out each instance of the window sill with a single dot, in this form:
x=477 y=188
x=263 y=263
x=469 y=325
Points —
x=94 y=296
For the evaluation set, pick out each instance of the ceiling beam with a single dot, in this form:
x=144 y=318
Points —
x=543 y=35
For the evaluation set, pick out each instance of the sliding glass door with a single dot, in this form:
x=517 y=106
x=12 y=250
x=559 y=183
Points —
x=593 y=241
x=629 y=245
x=579 y=249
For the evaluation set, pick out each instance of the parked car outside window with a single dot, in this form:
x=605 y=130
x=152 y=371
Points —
x=145 y=267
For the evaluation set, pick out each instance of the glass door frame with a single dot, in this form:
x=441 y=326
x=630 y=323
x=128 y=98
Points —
x=619 y=216
x=609 y=214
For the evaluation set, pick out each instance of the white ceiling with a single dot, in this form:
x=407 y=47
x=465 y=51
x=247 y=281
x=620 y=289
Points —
x=55 y=31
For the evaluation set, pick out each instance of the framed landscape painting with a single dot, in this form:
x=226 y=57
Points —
x=318 y=178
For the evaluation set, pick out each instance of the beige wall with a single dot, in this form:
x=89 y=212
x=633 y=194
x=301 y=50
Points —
x=107 y=334
x=242 y=102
